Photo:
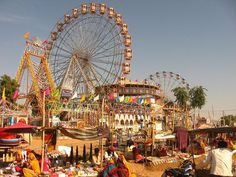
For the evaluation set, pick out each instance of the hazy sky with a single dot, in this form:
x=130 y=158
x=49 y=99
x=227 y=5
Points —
x=194 y=38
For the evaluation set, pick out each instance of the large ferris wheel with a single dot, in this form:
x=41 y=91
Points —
x=89 y=47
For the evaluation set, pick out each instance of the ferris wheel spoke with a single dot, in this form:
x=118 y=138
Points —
x=83 y=74
x=107 y=49
x=79 y=76
x=106 y=56
x=173 y=85
x=60 y=58
x=107 y=62
x=113 y=27
x=100 y=33
x=60 y=48
x=109 y=38
x=101 y=76
x=102 y=45
x=62 y=69
x=95 y=76
x=64 y=42
x=75 y=46
x=86 y=38
x=61 y=65
x=103 y=69
x=95 y=34
x=169 y=83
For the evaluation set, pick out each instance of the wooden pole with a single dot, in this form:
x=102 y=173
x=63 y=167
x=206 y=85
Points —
x=43 y=134
x=101 y=142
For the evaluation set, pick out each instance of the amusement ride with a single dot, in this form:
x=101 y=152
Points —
x=81 y=70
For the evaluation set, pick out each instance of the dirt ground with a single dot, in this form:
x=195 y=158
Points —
x=139 y=169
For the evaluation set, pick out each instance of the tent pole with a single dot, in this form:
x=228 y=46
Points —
x=103 y=100
x=43 y=134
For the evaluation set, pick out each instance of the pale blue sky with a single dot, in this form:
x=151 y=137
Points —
x=195 y=38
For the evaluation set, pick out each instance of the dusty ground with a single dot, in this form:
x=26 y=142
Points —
x=139 y=169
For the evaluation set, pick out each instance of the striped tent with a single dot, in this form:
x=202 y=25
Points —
x=85 y=133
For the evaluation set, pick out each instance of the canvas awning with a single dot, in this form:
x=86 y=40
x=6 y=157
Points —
x=85 y=134
x=19 y=127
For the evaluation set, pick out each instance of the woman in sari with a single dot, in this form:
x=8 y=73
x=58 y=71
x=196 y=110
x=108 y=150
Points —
x=19 y=161
x=110 y=170
x=33 y=167
x=123 y=168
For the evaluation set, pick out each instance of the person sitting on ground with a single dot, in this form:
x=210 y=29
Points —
x=33 y=168
x=19 y=161
x=220 y=160
x=110 y=169
x=196 y=147
x=110 y=153
x=123 y=169
x=96 y=159
x=137 y=155
x=46 y=165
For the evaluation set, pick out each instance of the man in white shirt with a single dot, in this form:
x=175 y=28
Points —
x=110 y=153
x=220 y=160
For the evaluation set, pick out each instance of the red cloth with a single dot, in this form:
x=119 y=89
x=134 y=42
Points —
x=5 y=135
x=182 y=138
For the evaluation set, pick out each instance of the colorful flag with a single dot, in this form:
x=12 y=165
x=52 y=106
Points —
x=117 y=100
x=91 y=97
x=130 y=99
x=26 y=35
x=82 y=99
x=110 y=96
x=47 y=91
x=152 y=100
x=140 y=100
x=134 y=99
x=15 y=94
x=96 y=98
x=56 y=93
x=45 y=42
x=122 y=98
x=127 y=99
x=4 y=94
x=74 y=96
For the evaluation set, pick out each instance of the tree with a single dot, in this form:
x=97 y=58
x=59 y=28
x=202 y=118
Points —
x=10 y=86
x=197 y=98
x=182 y=96
x=194 y=98
x=228 y=120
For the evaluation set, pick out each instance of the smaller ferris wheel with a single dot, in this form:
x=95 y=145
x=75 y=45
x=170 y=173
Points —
x=167 y=81
x=89 y=47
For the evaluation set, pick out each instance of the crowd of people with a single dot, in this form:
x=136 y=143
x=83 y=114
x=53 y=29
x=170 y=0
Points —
x=112 y=163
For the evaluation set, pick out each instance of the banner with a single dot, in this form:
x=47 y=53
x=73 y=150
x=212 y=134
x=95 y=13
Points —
x=96 y=98
x=82 y=99
x=66 y=93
